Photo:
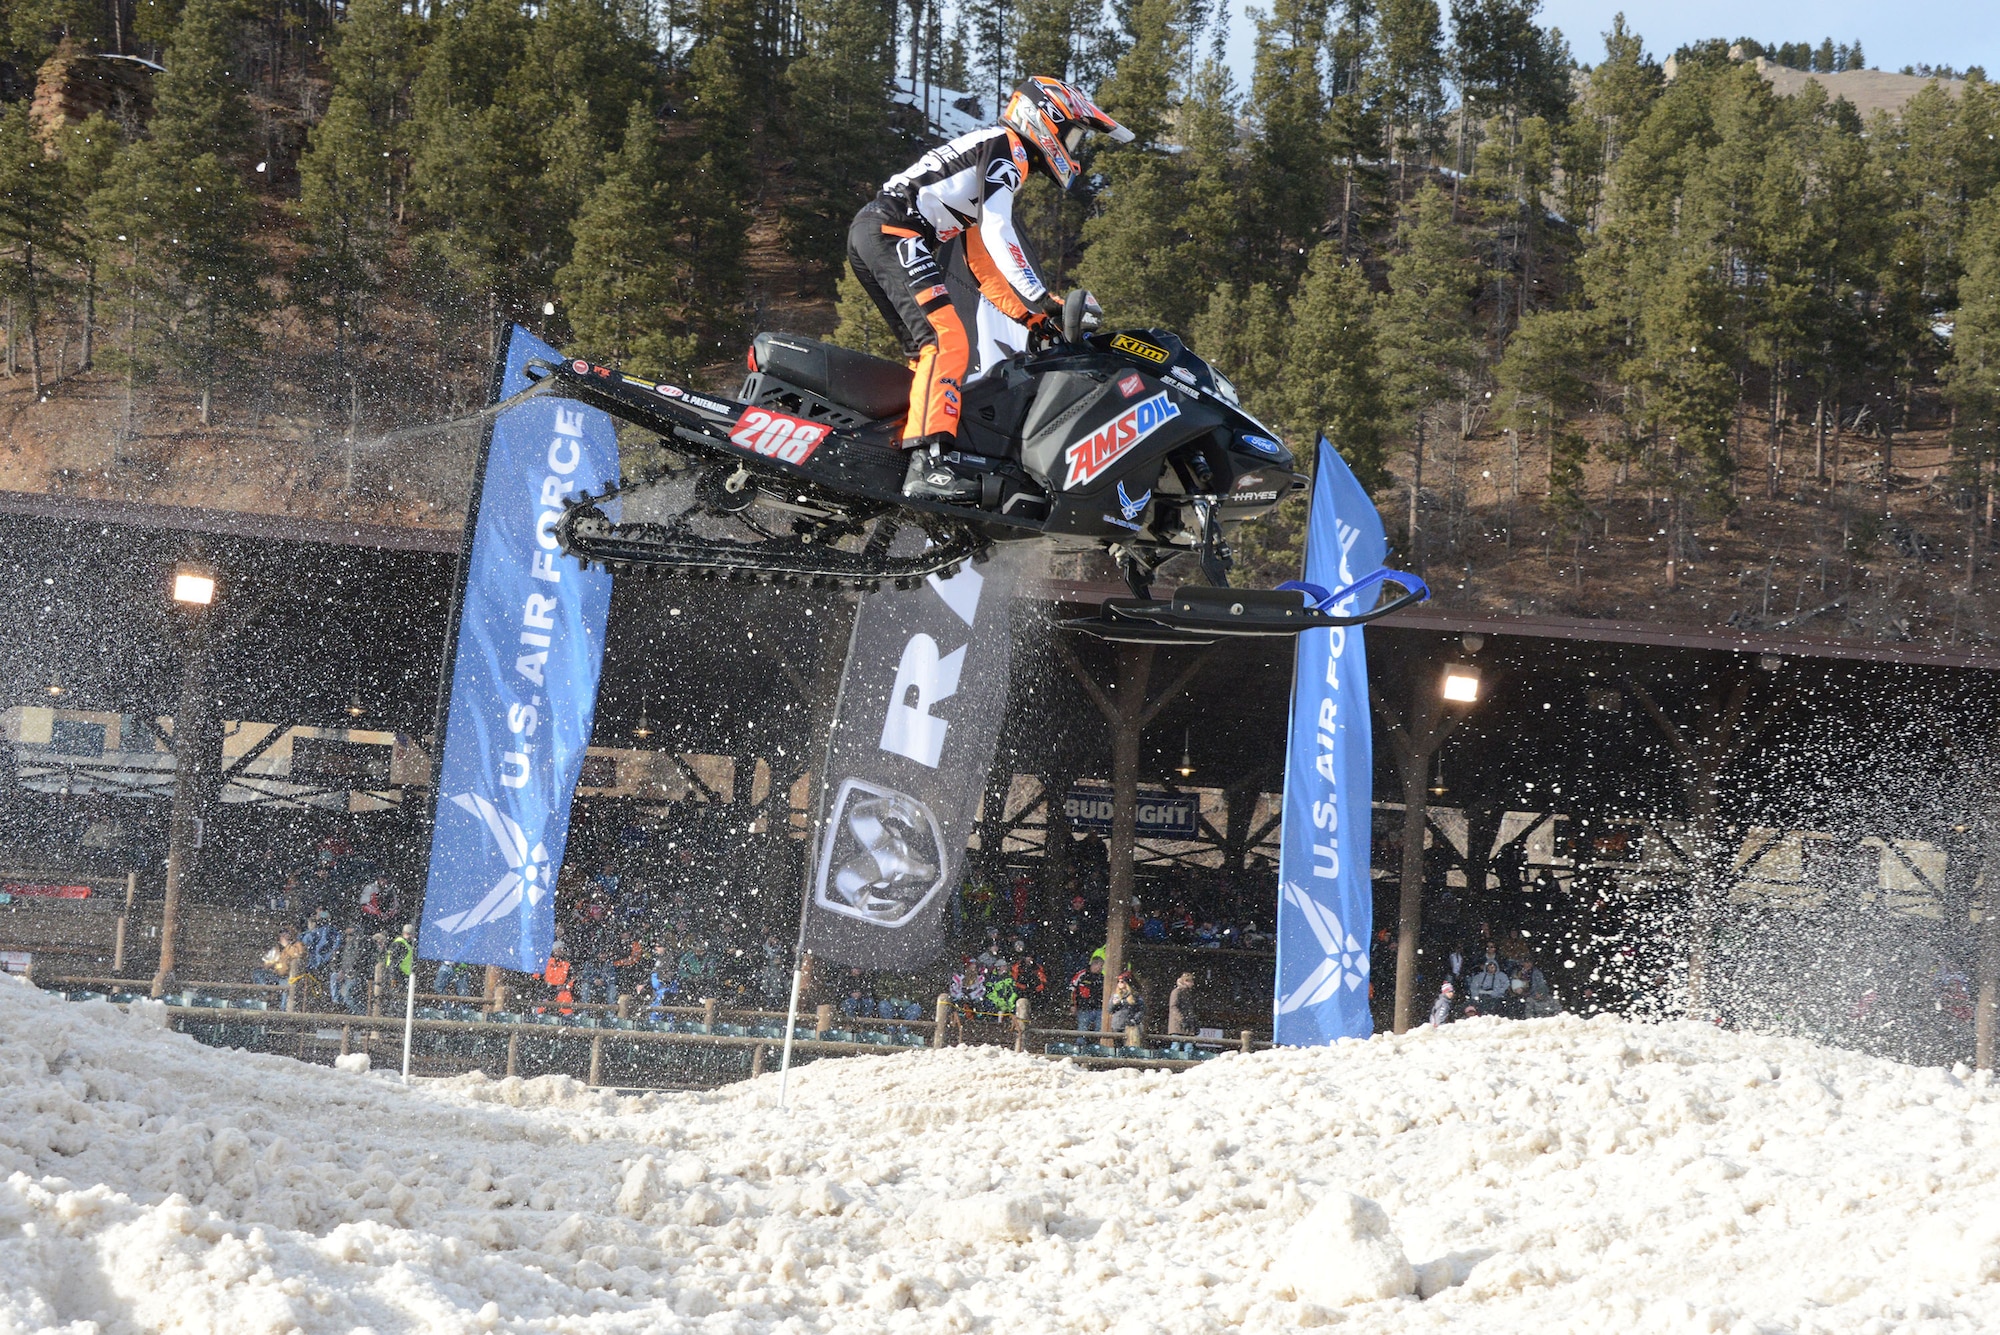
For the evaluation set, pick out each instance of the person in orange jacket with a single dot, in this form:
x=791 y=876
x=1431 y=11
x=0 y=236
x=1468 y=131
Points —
x=556 y=977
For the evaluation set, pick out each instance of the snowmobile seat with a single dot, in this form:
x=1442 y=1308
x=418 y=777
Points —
x=871 y=386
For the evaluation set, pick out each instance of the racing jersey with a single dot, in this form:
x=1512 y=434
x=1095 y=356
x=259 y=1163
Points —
x=968 y=186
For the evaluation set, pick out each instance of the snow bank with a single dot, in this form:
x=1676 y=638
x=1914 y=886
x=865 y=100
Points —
x=1550 y=1176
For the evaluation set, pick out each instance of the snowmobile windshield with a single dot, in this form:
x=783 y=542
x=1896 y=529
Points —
x=1224 y=388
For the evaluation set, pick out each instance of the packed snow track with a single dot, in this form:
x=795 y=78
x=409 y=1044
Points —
x=1547 y=1176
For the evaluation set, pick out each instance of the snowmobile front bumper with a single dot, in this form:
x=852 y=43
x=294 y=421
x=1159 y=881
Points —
x=1197 y=615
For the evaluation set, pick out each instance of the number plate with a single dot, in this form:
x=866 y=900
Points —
x=778 y=435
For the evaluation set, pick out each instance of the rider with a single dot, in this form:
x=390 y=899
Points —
x=965 y=188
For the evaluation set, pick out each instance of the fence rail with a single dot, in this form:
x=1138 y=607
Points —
x=637 y=1026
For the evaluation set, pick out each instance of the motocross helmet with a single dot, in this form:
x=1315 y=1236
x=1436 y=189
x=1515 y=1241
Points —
x=1053 y=117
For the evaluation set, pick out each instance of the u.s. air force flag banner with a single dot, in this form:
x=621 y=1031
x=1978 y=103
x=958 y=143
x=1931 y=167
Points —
x=921 y=702
x=1325 y=901
x=530 y=643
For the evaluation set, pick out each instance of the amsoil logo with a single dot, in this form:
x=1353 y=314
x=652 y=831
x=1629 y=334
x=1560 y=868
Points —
x=1096 y=452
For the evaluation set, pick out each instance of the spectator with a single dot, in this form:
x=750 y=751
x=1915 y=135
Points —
x=1030 y=979
x=347 y=982
x=1000 y=995
x=378 y=899
x=1180 y=1006
x=280 y=961
x=772 y=984
x=1489 y=986
x=1127 y=1010
x=1086 y=994
x=453 y=977
x=1208 y=936
x=990 y=959
x=1541 y=998
x=321 y=942
x=661 y=981
x=697 y=972
x=556 y=978
x=1441 y=1008
x=402 y=955
x=857 y=1004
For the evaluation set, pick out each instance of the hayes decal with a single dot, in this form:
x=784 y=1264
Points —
x=1138 y=348
x=1096 y=452
x=778 y=435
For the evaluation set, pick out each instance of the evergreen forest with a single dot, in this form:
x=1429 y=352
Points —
x=1519 y=282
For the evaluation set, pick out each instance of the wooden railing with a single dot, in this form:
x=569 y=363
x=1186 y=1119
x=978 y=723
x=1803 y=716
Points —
x=707 y=1024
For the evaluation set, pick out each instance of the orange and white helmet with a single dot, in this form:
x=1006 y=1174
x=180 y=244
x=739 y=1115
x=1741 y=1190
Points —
x=1053 y=117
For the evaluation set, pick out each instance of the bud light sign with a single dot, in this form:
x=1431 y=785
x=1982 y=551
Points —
x=530 y=643
x=1161 y=815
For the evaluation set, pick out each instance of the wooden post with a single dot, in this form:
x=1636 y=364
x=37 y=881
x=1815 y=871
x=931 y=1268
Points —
x=346 y=1037
x=757 y=1060
x=193 y=721
x=1988 y=1012
x=1245 y=1043
x=822 y=1019
x=1020 y=1024
x=118 y=935
x=943 y=1019
x=708 y=1015
x=376 y=985
x=492 y=988
x=514 y=1052
x=1416 y=726
x=1133 y=1038
x=1127 y=709
x=596 y=1058
x=501 y=996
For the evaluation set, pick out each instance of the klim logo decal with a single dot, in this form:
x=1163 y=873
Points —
x=527 y=874
x=1089 y=457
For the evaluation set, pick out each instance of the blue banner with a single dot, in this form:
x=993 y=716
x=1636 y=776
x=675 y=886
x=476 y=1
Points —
x=523 y=686
x=1326 y=908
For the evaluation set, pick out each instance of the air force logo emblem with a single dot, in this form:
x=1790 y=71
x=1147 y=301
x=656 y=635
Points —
x=1346 y=959
x=1130 y=507
x=527 y=876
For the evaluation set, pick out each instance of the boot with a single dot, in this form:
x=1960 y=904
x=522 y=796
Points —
x=933 y=477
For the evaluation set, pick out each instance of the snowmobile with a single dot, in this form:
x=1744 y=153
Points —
x=1121 y=441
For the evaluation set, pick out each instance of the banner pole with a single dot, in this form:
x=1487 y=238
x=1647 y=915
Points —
x=812 y=861
x=409 y=1010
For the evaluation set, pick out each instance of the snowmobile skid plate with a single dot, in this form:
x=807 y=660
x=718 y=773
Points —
x=1196 y=615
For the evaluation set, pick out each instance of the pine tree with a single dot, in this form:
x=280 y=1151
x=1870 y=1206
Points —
x=348 y=174
x=1289 y=183
x=1243 y=334
x=1064 y=39
x=839 y=118
x=1974 y=378
x=649 y=241
x=34 y=201
x=1333 y=378
x=1545 y=380
x=861 y=325
x=1430 y=352
x=1412 y=75
x=187 y=208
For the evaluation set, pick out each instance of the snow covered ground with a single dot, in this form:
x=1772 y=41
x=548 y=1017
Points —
x=1547 y=1176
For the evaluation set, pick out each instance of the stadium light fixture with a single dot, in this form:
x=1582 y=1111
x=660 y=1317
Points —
x=644 y=729
x=56 y=687
x=194 y=588
x=355 y=709
x=1461 y=684
x=1186 y=768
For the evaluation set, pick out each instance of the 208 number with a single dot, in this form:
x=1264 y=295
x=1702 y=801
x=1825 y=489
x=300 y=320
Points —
x=778 y=435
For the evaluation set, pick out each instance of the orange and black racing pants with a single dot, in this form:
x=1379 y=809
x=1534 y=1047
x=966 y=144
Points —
x=898 y=265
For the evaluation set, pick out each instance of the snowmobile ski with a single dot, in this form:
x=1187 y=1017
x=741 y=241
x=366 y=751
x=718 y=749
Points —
x=1196 y=615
